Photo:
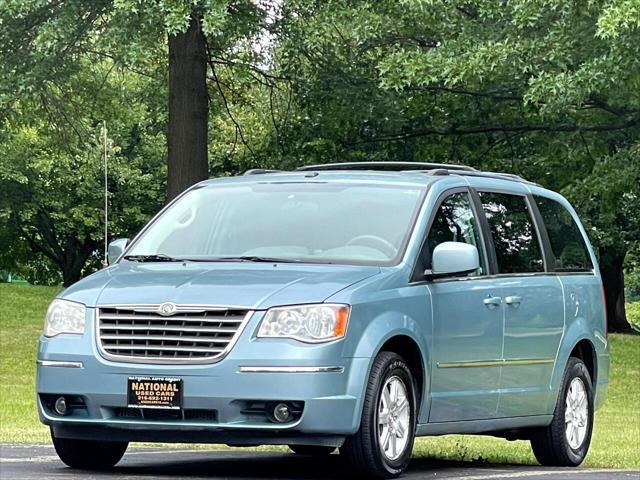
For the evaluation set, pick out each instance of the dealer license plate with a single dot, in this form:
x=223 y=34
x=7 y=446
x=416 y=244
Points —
x=155 y=392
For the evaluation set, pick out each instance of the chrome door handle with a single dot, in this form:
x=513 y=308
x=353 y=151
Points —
x=513 y=300
x=492 y=302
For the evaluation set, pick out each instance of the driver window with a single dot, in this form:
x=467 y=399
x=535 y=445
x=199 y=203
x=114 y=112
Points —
x=454 y=221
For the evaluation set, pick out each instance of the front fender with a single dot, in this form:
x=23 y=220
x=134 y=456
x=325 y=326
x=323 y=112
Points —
x=373 y=336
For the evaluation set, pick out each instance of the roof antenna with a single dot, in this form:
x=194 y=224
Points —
x=105 y=261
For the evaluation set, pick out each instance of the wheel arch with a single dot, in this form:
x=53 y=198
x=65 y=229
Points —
x=575 y=344
x=402 y=335
x=409 y=350
x=585 y=351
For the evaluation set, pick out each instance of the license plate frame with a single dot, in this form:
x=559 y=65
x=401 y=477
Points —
x=163 y=393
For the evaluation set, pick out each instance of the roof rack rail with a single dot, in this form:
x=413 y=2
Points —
x=498 y=175
x=260 y=171
x=424 y=167
x=429 y=168
x=387 y=166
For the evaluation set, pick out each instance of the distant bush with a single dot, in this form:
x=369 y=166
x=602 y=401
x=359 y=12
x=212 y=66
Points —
x=633 y=313
x=632 y=275
x=632 y=286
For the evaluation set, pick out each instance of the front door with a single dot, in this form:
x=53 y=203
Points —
x=467 y=323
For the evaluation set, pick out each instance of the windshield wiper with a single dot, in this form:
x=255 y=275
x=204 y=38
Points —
x=161 y=257
x=256 y=258
x=154 y=257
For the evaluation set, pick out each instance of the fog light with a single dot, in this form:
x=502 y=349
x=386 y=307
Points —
x=281 y=413
x=60 y=406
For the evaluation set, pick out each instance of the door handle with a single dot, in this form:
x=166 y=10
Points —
x=513 y=300
x=492 y=302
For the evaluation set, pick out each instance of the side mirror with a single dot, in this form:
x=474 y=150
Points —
x=453 y=259
x=116 y=247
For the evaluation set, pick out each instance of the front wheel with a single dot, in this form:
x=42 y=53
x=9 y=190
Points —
x=382 y=446
x=88 y=454
x=565 y=442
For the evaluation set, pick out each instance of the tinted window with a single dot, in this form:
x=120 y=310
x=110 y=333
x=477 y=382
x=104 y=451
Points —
x=567 y=243
x=454 y=222
x=513 y=232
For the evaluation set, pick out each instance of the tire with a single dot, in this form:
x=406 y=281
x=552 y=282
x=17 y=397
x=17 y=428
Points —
x=315 y=450
x=363 y=450
x=88 y=454
x=555 y=445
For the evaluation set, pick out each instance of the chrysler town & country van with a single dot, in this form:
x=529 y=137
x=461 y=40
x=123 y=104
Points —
x=340 y=306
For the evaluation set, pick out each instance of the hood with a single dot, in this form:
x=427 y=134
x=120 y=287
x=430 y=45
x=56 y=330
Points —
x=250 y=285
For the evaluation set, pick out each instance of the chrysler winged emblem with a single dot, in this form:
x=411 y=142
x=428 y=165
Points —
x=167 y=308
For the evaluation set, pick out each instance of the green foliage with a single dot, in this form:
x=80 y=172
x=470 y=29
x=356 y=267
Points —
x=51 y=173
x=618 y=18
x=69 y=66
x=632 y=276
x=547 y=89
x=609 y=198
x=633 y=313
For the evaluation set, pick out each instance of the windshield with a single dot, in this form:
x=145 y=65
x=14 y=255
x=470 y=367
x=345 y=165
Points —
x=305 y=222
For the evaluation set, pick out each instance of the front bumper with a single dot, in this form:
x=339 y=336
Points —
x=254 y=371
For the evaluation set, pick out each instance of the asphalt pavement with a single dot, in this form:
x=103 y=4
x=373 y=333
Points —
x=22 y=462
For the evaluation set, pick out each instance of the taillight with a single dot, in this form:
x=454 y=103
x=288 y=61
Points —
x=606 y=319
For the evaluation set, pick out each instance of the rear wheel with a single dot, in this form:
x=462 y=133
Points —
x=316 y=450
x=565 y=442
x=88 y=454
x=382 y=446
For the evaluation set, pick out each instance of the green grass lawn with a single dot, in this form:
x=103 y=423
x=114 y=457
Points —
x=22 y=309
x=616 y=440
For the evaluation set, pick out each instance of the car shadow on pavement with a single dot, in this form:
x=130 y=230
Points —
x=272 y=466
x=281 y=466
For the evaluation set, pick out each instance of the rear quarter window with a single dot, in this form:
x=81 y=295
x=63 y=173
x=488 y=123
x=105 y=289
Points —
x=567 y=243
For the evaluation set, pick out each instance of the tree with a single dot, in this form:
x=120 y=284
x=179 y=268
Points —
x=549 y=90
x=43 y=42
x=51 y=177
x=58 y=56
x=610 y=201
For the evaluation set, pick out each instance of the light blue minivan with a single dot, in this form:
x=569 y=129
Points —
x=340 y=306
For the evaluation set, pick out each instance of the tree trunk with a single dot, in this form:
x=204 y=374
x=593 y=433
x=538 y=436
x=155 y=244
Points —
x=76 y=254
x=188 y=109
x=611 y=263
x=70 y=275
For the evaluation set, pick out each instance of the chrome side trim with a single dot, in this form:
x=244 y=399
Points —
x=496 y=363
x=334 y=369
x=59 y=363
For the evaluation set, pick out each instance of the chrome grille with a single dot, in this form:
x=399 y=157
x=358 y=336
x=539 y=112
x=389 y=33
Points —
x=190 y=335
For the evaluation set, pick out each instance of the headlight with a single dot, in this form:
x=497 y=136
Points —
x=306 y=323
x=64 y=316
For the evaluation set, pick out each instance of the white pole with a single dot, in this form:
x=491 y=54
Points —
x=106 y=198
